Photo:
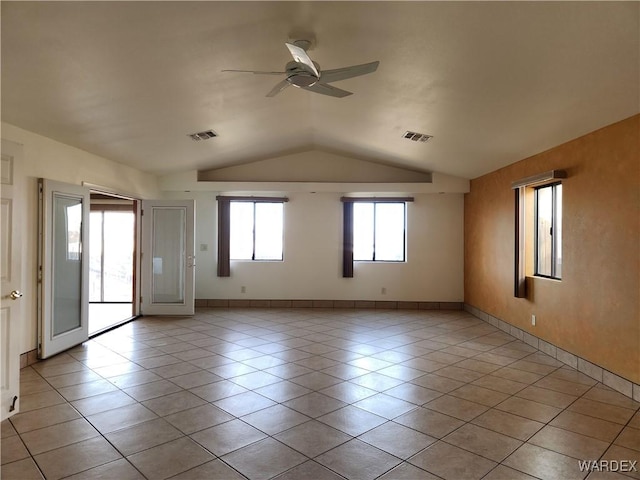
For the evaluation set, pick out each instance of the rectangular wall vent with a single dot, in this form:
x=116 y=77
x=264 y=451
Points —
x=417 y=137
x=206 y=135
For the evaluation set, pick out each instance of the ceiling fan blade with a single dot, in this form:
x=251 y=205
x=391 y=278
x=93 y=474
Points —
x=300 y=56
x=327 y=90
x=336 y=74
x=278 y=88
x=255 y=72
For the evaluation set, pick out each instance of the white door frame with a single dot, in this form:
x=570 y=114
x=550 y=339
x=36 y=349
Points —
x=137 y=285
x=152 y=231
x=12 y=315
x=51 y=342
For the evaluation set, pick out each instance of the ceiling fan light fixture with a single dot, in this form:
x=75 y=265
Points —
x=302 y=79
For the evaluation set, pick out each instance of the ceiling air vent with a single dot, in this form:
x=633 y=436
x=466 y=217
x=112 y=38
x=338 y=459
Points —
x=206 y=135
x=417 y=137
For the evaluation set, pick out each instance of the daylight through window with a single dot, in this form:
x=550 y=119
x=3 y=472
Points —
x=548 y=231
x=256 y=230
x=379 y=231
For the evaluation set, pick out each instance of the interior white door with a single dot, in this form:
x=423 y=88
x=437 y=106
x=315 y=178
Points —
x=168 y=261
x=64 y=266
x=11 y=312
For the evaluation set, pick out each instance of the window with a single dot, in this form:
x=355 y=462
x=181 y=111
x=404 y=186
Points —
x=379 y=231
x=541 y=226
x=256 y=230
x=373 y=229
x=548 y=231
x=249 y=228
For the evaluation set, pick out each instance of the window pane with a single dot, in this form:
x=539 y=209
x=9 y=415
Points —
x=362 y=231
x=118 y=257
x=168 y=250
x=241 y=231
x=95 y=257
x=74 y=235
x=269 y=223
x=67 y=263
x=543 y=223
x=557 y=234
x=390 y=232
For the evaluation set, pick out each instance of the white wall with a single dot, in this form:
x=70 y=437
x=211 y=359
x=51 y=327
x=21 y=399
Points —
x=314 y=165
x=312 y=266
x=46 y=158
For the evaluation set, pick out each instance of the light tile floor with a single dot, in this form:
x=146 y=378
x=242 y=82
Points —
x=314 y=394
x=106 y=315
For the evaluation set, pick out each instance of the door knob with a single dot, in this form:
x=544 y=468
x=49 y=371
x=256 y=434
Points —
x=15 y=295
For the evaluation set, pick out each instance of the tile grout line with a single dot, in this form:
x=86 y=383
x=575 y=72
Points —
x=490 y=319
x=100 y=434
x=342 y=380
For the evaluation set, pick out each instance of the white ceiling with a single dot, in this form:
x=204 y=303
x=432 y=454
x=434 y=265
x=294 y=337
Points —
x=493 y=82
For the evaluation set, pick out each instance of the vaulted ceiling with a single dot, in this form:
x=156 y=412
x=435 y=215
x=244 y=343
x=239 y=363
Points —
x=493 y=82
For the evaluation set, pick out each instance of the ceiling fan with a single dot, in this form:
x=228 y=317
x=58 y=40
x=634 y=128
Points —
x=304 y=73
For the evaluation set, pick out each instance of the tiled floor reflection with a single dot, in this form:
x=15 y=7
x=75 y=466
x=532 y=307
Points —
x=315 y=394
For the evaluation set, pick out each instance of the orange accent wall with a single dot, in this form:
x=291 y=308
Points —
x=594 y=311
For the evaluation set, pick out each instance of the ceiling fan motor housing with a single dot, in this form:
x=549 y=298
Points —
x=299 y=75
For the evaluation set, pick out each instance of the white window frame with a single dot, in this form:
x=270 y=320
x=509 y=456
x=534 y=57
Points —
x=253 y=242
x=374 y=233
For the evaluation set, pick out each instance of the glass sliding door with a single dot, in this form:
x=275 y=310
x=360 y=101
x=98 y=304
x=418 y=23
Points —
x=112 y=263
x=117 y=271
x=111 y=268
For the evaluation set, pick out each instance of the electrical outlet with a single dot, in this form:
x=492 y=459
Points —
x=533 y=320
x=243 y=289
x=383 y=290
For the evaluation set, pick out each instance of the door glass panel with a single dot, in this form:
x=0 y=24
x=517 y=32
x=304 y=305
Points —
x=118 y=257
x=169 y=242
x=95 y=260
x=67 y=263
x=111 y=264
